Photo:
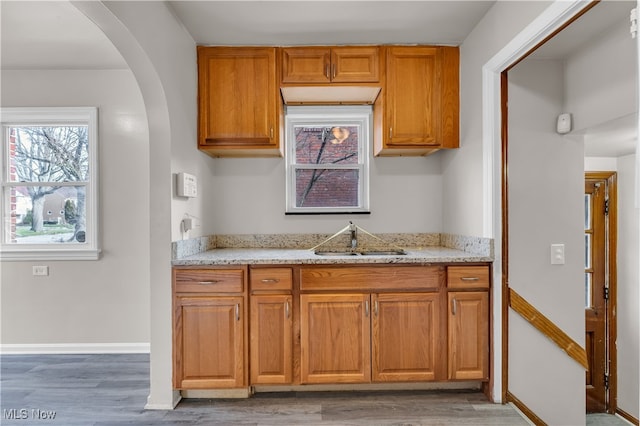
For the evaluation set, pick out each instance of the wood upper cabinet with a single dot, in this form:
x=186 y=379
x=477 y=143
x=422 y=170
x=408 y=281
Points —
x=239 y=104
x=352 y=64
x=420 y=108
x=209 y=328
x=335 y=338
x=271 y=326
x=406 y=338
x=468 y=322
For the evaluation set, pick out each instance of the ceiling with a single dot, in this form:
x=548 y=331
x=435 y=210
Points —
x=55 y=35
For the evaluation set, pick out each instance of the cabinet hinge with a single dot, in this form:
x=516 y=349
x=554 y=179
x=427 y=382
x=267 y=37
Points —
x=606 y=381
x=606 y=206
x=606 y=293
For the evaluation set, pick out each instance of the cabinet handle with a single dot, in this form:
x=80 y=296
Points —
x=366 y=308
x=333 y=73
x=209 y=282
x=237 y=312
x=470 y=278
x=286 y=309
x=454 y=306
x=270 y=280
x=326 y=71
x=271 y=132
x=390 y=132
x=375 y=307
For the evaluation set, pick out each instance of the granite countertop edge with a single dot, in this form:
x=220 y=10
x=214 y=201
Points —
x=272 y=256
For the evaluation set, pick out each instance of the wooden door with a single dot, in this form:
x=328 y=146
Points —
x=468 y=335
x=271 y=342
x=237 y=97
x=335 y=338
x=406 y=337
x=597 y=289
x=209 y=343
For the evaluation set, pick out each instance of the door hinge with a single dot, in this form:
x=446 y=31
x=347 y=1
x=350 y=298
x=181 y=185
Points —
x=606 y=381
x=606 y=293
x=606 y=206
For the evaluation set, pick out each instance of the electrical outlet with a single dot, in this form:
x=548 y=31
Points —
x=41 y=270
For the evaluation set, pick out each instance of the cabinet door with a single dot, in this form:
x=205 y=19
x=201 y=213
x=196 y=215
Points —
x=469 y=335
x=406 y=337
x=237 y=99
x=271 y=343
x=209 y=343
x=421 y=110
x=306 y=65
x=335 y=338
x=358 y=64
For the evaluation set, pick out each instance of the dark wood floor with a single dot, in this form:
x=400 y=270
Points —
x=112 y=390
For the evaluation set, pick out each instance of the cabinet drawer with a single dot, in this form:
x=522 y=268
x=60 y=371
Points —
x=271 y=279
x=208 y=280
x=468 y=277
x=372 y=278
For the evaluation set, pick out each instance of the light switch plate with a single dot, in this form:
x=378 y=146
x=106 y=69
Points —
x=557 y=254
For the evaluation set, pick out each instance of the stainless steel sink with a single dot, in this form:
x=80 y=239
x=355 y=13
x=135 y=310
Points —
x=384 y=253
x=363 y=253
x=336 y=253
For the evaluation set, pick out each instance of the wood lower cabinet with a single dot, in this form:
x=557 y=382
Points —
x=335 y=338
x=406 y=339
x=209 y=328
x=239 y=108
x=468 y=323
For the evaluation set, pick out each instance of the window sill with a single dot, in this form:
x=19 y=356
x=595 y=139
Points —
x=8 y=255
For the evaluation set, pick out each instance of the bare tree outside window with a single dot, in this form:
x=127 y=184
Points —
x=53 y=164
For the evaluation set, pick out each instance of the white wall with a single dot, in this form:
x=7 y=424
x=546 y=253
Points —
x=546 y=204
x=406 y=196
x=463 y=198
x=628 y=293
x=103 y=301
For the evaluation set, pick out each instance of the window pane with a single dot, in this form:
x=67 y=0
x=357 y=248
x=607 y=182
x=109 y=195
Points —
x=326 y=144
x=48 y=154
x=327 y=188
x=587 y=211
x=587 y=290
x=587 y=251
x=47 y=215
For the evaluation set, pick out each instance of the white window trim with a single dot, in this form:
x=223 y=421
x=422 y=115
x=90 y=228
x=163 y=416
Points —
x=90 y=249
x=346 y=115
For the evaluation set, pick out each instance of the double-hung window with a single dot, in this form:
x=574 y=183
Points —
x=49 y=183
x=327 y=159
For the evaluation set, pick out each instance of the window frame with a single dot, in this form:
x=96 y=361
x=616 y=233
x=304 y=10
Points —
x=51 y=116
x=325 y=116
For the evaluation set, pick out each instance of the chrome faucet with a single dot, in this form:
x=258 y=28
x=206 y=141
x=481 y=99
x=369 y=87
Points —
x=354 y=235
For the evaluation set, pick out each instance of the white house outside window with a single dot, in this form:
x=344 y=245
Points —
x=49 y=183
x=327 y=159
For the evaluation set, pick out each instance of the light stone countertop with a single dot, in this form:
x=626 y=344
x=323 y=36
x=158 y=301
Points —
x=279 y=256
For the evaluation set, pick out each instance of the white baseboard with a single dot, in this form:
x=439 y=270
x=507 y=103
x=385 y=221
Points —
x=74 y=348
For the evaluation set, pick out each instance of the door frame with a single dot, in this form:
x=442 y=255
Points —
x=611 y=247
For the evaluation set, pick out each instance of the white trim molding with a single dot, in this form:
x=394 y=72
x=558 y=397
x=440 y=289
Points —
x=73 y=348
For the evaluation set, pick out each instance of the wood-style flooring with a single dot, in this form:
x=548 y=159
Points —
x=112 y=390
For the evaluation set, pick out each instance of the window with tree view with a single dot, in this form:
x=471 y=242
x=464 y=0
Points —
x=327 y=159
x=49 y=182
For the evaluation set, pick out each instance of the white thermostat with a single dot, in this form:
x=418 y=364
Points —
x=187 y=185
